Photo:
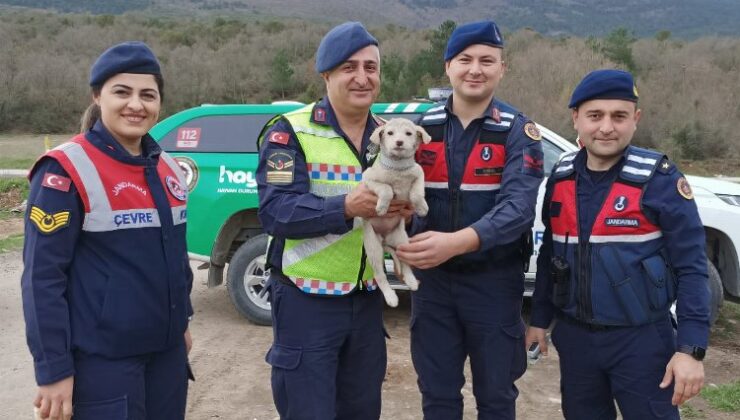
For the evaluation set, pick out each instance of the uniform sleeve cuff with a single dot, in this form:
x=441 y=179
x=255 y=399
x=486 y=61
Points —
x=541 y=317
x=333 y=217
x=50 y=371
x=691 y=333
x=483 y=229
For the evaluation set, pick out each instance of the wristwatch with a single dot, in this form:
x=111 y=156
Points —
x=696 y=352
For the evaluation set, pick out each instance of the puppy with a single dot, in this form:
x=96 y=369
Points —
x=395 y=174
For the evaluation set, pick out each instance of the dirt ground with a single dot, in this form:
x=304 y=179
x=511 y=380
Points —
x=233 y=379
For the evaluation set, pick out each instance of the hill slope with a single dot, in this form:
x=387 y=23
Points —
x=684 y=18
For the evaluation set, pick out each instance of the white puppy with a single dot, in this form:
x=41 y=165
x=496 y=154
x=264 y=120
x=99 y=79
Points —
x=395 y=174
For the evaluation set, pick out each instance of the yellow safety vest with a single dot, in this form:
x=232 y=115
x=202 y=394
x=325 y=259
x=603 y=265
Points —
x=330 y=264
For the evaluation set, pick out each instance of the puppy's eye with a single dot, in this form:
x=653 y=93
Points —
x=390 y=133
x=408 y=133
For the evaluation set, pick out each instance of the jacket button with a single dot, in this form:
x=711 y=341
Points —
x=174 y=306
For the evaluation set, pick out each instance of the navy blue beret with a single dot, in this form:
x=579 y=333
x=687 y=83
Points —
x=483 y=32
x=604 y=84
x=127 y=57
x=340 y=43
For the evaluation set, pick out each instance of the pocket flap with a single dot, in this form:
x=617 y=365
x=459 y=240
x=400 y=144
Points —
x=515 y=330
x=655 y=268
x=284 y=357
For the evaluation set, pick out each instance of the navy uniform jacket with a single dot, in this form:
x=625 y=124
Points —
x=499 y=226
x=683 y=234
x=291 y=211
x=118 y=293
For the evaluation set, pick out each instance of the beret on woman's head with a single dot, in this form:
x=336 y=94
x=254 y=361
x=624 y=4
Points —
x=127 y=57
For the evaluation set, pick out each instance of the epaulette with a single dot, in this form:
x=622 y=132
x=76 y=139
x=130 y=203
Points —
x=434 y=116
x=640 y=164
x=564 y=167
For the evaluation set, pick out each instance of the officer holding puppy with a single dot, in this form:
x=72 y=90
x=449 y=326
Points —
x=482 y=171
x=622 y=241
x=328 y=355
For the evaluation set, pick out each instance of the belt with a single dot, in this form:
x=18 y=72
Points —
x=587 y=325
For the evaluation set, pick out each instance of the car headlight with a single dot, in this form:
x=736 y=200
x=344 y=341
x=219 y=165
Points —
x=733 y=200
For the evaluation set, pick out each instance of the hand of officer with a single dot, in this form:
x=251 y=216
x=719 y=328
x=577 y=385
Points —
x=361 y=202
x=689 y=375
x=430 y=249
x=188 y=341
x=536 y=335
x=54 y=401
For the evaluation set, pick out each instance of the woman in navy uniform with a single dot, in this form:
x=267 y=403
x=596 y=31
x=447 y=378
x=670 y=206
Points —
x=106 y=280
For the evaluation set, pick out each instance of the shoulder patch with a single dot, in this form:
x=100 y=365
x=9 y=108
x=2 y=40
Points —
x=684 y=188
x=533 y=161
x=56 y=182
x=280 y=167
x=48 y=223
x=531 y=130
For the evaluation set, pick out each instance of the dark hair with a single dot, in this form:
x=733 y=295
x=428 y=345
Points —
x=92 y=113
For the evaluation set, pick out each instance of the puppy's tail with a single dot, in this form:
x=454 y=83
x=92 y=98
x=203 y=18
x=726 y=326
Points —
x=396 y=264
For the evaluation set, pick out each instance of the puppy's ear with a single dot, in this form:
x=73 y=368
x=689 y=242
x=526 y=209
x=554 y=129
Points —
x=422 y=135
x=377 y=135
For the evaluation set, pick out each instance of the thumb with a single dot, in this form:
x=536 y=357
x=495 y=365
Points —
x=543 y=347
x=668 y=377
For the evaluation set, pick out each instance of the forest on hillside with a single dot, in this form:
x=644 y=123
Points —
x=689 y=90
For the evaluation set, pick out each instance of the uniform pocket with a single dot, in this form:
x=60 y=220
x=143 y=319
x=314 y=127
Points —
x=113 y=409
x=519 y=357
x=659 y=284
x=283 y=357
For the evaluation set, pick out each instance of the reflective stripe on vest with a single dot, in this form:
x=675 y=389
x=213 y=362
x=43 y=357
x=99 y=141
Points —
x=329 y=264
x=100 y=216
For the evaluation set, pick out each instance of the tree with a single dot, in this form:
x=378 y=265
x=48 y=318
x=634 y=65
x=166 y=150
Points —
x=281 y=74
x=617 y=46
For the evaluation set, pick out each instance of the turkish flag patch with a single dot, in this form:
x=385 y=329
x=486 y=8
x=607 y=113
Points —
x=57 y=182
x=533 y=161
x=279 y=137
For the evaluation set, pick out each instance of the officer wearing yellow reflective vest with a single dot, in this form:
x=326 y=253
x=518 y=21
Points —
x=328 y=355
x=623 y=240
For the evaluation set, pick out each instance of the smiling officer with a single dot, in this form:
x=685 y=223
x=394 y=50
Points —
x=623 y=240
x=106 y=280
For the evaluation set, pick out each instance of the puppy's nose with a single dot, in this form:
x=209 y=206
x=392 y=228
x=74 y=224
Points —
x=399 y=143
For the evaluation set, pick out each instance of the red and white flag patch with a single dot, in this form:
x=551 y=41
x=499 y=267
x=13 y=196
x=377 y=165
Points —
x=57 y=182
x=279 y=137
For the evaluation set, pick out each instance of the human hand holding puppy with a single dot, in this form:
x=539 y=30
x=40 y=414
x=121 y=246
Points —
x=362 y=202
x=430 y=249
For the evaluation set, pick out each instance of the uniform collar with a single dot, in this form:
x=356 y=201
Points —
x=579 y=162
x=491 y=110
x=323 y=114
x=101 y=138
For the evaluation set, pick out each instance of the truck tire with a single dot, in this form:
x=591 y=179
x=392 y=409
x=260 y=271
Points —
x=247 y=277
x=716 y=292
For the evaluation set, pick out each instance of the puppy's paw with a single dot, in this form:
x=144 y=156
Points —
x=391 y=298
x=382 y=208
x=412 y=283
x=422 y=208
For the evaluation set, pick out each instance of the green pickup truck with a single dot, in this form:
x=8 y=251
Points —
x=216 y=146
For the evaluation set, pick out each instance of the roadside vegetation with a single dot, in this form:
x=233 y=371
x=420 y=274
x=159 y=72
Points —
x=688 y=89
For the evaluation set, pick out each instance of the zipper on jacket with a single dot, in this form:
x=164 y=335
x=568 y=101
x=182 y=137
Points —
x=362 y=269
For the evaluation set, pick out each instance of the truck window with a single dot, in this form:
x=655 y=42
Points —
x=217 y=133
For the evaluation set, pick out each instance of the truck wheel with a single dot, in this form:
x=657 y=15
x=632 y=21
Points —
x=717 y=292
x=247 y=277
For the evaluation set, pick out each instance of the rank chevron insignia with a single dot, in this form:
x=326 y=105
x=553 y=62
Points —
x=48 y=223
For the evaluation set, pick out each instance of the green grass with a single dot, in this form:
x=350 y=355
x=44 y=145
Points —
x=11 y=243
x=8 y=184
x=689 y=412
x=727 y=328
x=16 y=162
x=723 y=397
